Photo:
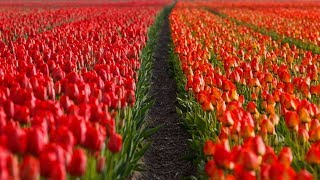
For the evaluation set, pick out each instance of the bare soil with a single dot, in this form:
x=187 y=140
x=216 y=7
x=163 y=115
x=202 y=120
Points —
x=166 y=157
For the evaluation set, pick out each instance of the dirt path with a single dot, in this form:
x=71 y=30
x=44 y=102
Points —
x=166 y=157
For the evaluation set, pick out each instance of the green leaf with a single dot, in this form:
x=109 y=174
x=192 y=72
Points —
x=149 y=132
x=142 y=151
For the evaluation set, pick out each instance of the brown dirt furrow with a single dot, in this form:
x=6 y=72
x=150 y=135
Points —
x=166 y=157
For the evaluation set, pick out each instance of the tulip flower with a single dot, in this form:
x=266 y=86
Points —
x=30 y=168
x=285 y=156
x=100 y=164
x=78 y=163
x=208 y=148
x=115 y=143
x=292 y=119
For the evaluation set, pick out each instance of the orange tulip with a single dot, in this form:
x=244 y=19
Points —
x=207 y=106
x=304 y=115
x=292 y=119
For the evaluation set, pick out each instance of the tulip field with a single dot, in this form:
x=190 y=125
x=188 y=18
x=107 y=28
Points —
x=77 y=91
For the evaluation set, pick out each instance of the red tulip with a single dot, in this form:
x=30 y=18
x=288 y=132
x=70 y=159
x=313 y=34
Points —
x=210 y=168
x=64 y=137
x=269 y=157
x=30 y=168
x=48 y=162
x=130 y=97
x=249 y=160
x=303 y=135
x=51 y=157
x=285 y=77
x=94 y=140
x=57 y=74
x=58 y=172
x=257 y=145
x=22 y=114
x=222 y=156
x=264 y=172
x=285 y=156
x=208 y=148
x=79 y=129
x=12 y=165
x=4 y=155
x=115 y=143
x=78 y=163
x=41 y=93
x=227 y=119
x=313 y=155
x=314 y=134
x=251 y=107
x=280 y=171
x=100 y=164
x=9 y=108
x=36 y=140
x=303 y=175
x=17 y=139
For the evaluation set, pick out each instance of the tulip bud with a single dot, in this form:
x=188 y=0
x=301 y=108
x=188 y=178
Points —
x=36 y=141
x=269 y=157
x=292 y=119
x=249 y=160
x=280 y=171
x=258 y=146
x=57 y=74
x=304 y=116
x=227 y=119
x=251 y=107
x=8 y=107
x=304 y=175
x=313 y=156
x=314 y=134
x=303 y=135
x=208 y=148
x=207 y=106
x=78 y=128
x=285 y=156
x=17 y=139
x=94 y=139
x=78 y=163
x=30 y=168
x=210 y=168
x=115 y=143
x=100 y=164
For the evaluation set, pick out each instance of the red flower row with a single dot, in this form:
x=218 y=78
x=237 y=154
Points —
x=60 y=89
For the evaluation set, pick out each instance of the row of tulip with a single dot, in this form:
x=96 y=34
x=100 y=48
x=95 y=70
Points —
x=299 y=23
x=73 y=97
x=243 y=97
x=19 y=23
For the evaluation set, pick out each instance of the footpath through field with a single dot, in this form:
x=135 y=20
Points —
x=166 y=157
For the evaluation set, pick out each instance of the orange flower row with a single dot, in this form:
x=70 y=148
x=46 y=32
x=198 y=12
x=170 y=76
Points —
x=251 y=82
x=298 y=23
